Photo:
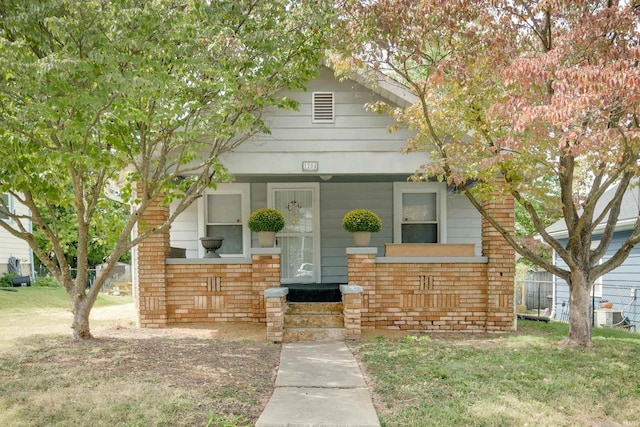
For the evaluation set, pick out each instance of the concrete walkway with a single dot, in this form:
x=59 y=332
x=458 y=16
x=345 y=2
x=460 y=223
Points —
x=319 y=384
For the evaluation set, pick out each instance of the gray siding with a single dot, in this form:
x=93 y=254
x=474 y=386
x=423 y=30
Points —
x=616 y=285
x=357 y=142
x=336 y=199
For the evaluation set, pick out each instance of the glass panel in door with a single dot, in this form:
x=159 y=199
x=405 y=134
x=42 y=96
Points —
x=297 y=239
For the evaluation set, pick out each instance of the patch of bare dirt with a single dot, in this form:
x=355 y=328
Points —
x=228 y=368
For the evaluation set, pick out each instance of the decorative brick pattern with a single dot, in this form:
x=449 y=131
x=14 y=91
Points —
x=209 y=292
x=453 y=298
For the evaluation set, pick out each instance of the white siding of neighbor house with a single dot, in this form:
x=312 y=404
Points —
x=12 y=246
x=358 y=142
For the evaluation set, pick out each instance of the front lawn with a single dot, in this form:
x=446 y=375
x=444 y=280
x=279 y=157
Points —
x=526 y=379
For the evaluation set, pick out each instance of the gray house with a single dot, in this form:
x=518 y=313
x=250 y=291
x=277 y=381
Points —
x=620 y=286
x=435 y=264
x=318 y=163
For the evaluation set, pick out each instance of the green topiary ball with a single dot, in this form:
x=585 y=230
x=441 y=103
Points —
x=266 y=219
x=361 y=220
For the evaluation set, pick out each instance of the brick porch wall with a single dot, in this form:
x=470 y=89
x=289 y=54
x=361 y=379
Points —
x=152 y=300
x=501 y=267
x=429 y=296
x=209 y=292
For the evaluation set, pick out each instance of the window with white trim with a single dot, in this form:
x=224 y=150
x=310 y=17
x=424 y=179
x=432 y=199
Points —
x=5 y=206
x=419 y=212
x=226 y=211
x=323 y=107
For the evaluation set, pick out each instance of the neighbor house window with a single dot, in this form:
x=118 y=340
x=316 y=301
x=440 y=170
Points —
x=5 y=206
x=419 y=212
x=323 y=107
x=226 y=213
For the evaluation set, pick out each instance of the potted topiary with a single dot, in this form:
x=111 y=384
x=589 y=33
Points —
x=361 y=222
x=266 y=222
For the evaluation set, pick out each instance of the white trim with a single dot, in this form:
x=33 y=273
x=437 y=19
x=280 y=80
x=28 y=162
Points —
x=315 y=187
x=439 y=188
x=244 y=190
x=10 y=208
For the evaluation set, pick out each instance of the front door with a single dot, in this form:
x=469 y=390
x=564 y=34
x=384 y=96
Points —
x=300 y=238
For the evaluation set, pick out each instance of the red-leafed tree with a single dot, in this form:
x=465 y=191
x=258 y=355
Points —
x=543 y=94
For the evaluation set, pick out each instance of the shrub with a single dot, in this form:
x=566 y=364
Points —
x=266 y=219
x=46 y=281
x=5 y=280
x=361 y=220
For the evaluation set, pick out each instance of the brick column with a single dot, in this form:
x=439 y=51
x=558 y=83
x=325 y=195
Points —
x=352 y=307
x=501 y=265
x=265 y=273
x=152 y=280
x=361 y=271
x=275 y=303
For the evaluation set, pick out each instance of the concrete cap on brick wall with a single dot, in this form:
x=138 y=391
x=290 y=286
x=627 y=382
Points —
x=362 y=251
x=276 y=292
x=351 y=289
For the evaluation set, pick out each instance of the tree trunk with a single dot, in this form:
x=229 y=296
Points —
x=579 y=312
x=81 y=309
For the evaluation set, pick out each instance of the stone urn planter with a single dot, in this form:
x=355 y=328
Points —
x=211 y=245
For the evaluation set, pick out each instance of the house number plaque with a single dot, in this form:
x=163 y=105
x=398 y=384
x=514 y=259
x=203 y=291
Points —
x=310 y=166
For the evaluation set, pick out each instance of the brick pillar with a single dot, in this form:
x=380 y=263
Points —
x=352 y=307
x=152 y=280
x=265 y=273
x=501 y=265
x=361 y=271
x=275 y=304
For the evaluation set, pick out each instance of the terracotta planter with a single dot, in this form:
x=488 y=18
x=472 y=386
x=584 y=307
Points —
x=362 y=238
x=607 y=305
x=267 y=239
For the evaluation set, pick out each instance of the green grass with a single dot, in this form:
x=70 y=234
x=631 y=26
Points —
x=509 y=380
x=29 y=298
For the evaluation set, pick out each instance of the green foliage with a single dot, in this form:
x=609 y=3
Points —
x=147 y=95
x=5 y=280
x=361 y=220
x=46 y=281
x=266 y=219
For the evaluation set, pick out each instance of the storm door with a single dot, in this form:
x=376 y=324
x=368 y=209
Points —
x=300 y=238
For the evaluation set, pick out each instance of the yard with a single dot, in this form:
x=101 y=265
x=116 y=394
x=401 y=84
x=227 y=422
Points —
x=223 y=375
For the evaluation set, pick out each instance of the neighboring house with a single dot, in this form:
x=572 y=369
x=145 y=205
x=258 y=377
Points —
x=620 y=286
x=11 y=246
x=318 y=163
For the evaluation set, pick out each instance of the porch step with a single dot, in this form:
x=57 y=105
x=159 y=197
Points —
x=313 y=321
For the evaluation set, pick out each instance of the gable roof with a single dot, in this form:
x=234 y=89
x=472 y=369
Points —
x=626 y=220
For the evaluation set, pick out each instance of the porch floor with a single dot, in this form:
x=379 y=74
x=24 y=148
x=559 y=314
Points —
x=313 y=292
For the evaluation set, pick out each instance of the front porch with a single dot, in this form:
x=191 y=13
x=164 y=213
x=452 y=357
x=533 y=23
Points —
x=420 y=293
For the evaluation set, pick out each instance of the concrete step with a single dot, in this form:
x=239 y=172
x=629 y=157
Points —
x=314 y=320
x=314 y=308
x=313 y=334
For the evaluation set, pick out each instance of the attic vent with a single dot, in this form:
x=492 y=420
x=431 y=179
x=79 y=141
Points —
x=323 y=107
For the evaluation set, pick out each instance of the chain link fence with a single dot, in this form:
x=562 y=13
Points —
x=612 y=304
